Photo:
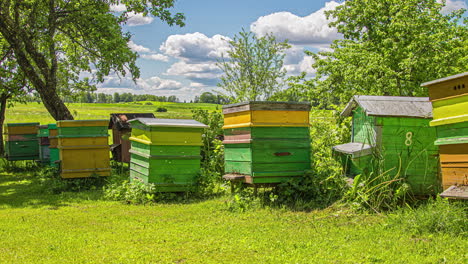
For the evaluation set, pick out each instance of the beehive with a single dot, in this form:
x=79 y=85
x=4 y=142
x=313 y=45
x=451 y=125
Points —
x=166 y=152
x=397 y=128
x=121 y=131
x=54 y=154
x=43 y=138
x=449 y=97
x=21 y=141
x=83 y=148
x=266 y=142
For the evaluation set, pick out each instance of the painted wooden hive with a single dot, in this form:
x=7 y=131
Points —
x=43 y=138
x=121 y=131
x=54 y=155
x=395 y=129
x=21 y=141
x=266 y=142
x=166 y=152
x=83 y=148
x=449 y=97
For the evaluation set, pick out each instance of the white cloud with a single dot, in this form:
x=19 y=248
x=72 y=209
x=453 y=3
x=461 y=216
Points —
x=309 y=30
x=156 y=57
x=204 y=73
x=452 y=5
x=195 y=47
x=197 y=85
x=137 y=19
x=118 y=8
x=137 y=48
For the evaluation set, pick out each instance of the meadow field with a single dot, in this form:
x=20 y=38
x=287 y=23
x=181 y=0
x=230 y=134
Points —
x=37 y=226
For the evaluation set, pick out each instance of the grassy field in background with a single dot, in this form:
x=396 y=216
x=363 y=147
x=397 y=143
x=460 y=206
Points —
x=35 y=112
x=81 y=228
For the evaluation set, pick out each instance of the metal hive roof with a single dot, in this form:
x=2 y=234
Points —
x=160 y=122
x=397 y=106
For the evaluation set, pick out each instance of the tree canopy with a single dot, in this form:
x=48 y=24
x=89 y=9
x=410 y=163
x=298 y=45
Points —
x=389 y=47
x=253 y=68
x=54 y=41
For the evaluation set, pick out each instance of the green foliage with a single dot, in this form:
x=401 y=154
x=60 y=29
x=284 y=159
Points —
x=50 y=180
x=435 y=216
x=252 y=68
x=20 y=166
x=389 y=48
x=212 y=152
x=161 y=109
x=244 y=200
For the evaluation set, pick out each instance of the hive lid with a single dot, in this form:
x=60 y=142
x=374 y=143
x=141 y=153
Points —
x=265 y=105
x=456 y=192
x=22 y=124
x=82 y=123
x=396 y=106
x=160 y=122
x=449 y=78
x=355 y=149
x=120 y=120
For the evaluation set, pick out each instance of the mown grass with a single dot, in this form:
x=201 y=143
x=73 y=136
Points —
x=36 y=112
x=81 y=228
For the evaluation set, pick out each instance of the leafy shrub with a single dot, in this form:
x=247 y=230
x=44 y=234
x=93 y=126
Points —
x=148 y=103
x=49 y=178
x=20 y=166
x=434 y=216
x=243 y=201
x=161 y=109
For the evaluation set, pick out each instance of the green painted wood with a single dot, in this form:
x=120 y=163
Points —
x=161 y=187
x=84 y=131
x=22 y=150
x=270 y=132
x=163 y=150
x=456 y=133
x=21 y=124
x=363 y=127
x=54 y=156
x=273 y=179
x=20 y=137
x=274 y=169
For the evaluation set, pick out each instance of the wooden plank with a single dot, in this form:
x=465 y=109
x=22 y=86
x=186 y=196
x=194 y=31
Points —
x=448 y=88
x=454 y=176
x=454 y=149
x=456 y=192
x=269 y=106
x=234 y=177
x=453 y=157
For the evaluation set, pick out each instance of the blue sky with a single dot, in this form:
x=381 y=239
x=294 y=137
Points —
x=181 y=61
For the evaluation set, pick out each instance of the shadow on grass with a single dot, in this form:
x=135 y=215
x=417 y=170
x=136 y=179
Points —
x=19 y=191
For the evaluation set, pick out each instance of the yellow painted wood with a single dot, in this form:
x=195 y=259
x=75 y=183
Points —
x=82 y=123
x=71 y=174
x=84 y=141
x=168 y=137
x=21 y=130
x=266 y=118
x=84 y=159
x=449 y=111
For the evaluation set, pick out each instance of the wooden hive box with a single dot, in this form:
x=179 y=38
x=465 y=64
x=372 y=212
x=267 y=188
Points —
x=266 y=142
x=166 y=152
x=83 y=148
x=121 y=131
x=43 y=137
x=54 y=154
x=21 y=142
x=449 y=97
x=398 y=129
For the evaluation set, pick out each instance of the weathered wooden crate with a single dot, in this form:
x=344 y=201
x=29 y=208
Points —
x=449 y=97
x=266 y=142
x=121 y=132
x=397 y=130
x=21 y=142
x=83 y=148
x=166 y=152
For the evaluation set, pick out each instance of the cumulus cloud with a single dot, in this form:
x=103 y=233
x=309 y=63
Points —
x=145 y=85
x=309 y=30
x=204 y=73
x=156 y=57
x=195 y=47
x=137 y=19
x=118 y=8
x=137 y=48
x=452 y=5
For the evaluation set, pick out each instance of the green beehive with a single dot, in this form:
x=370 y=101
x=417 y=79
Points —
x=397 y=130
x=266 y=142
x=43 y=138
x=54 y=155
x=166 y=152
x=21 y=141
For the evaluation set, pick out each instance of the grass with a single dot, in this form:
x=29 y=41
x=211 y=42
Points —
x=82 y=228
x=36 y=112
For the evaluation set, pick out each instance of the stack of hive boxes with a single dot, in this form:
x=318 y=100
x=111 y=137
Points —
x=84 y=148
x=21 y=141
x=449 y=97
x=54 y=155
x=44 y=151
x=166 y=152
x=266 y=142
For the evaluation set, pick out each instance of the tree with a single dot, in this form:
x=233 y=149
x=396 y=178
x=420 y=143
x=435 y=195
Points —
x=253 y=67
x=207 y=97
x=389 y=47
x=116 y=97
x=53 y=41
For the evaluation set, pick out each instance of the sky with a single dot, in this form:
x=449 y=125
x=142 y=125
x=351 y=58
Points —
x=181 y=61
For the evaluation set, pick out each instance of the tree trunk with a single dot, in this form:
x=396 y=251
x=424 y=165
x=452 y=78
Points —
x=3 y=106
x=54 y=104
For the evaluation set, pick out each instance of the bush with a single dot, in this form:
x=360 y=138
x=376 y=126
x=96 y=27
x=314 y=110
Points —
x=434 y=216
x=148 y=103
x=161 y=109
x=49 y=178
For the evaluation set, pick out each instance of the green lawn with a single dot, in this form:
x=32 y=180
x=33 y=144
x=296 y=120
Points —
x=35 y=112
x=82 y=228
